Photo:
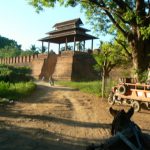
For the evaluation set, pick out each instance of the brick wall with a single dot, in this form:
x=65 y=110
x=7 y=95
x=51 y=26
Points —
x=67 y=66
x=82 y=67
x=63 y=69
x=75 y=66
x=22 y=59
x=48 y=67
x=19 y=59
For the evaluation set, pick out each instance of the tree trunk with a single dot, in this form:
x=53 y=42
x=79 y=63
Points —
x=103 y=85
x=140 y=47
x=140 y=51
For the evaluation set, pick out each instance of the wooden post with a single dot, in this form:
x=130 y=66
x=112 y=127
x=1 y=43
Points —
x=79 y=46
x=66 y=43
x=84 y=45
x=15 y=59
x=48 y=47
x=92 y=45
x=8 y=60
x=42 y=46
x=103 y=80
x=59 y=49
x=74 y=48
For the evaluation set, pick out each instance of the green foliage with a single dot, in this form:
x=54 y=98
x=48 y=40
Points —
x=43 y=49
x=26 y=53
x=105 y=14
x=145 y=31
x=17 y=90
x=8 y=51
x=7 y=42
x=99 y=60
x=15 y=82
x=33 y=50
x=92 y=87
x=143 y=76
x=9 y=48
x=14 y=74
x=69 y=47
x=38 y=4
x=108 y=58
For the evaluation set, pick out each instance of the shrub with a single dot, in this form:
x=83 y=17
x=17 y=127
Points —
x=14 y=74
x=143 y=76
x=17 y=90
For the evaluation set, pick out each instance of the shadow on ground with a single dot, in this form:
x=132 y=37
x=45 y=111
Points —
x=54 y=120
x=18 y=138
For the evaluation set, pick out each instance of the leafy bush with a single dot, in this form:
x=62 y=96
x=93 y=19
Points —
x=17 y=90
x=143 y=76
x=15 y=82
x=14 y=74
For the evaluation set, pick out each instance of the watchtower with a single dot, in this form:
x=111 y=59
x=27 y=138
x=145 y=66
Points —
x=68 y=31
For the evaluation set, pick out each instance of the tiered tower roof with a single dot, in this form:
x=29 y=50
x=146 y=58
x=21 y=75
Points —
x=70 y=29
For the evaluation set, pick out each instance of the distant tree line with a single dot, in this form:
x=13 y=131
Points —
x=10 y=48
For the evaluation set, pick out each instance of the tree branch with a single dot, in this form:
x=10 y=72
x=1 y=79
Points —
x=110 y=66
x=124 y=21
x=140 y=8
x=103 y=6
x=122 y=4
x=115 y=23
x=124 y=47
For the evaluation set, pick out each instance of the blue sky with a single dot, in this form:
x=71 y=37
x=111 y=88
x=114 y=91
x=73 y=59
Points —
x=20 y=22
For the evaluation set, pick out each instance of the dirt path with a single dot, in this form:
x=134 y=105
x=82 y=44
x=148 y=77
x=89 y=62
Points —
x=58 y=118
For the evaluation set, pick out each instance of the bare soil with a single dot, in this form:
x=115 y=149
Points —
x=58 y=118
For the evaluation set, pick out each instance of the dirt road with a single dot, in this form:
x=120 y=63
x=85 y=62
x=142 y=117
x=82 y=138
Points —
x=58 y=118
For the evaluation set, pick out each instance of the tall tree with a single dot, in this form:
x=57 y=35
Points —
x=131 y=18
x=34 y=49
x=8 y=51
x=9 y=48
x=107 y=58
x=8 y=42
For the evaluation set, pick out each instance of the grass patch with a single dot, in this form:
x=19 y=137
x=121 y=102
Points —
x=92 y=87
x=15 y=82
x=17 y=90
x=15 y=74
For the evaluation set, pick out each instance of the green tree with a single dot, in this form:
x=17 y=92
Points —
x=26 y=53
x=131 y=18
x=8 y=42
x=8 y=51
x=34 y=49
x=69 y=47
x=9 y=48
x=107 y=58
x=42 y=50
